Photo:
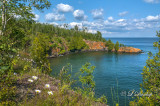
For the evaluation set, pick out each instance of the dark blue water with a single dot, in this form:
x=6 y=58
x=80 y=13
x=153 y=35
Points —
x=114 y=73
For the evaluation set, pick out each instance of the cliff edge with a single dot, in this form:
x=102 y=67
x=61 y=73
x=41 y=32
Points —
x=92 y=46
x=98 y=46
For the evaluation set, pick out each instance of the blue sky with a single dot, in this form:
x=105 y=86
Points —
x=114 y=18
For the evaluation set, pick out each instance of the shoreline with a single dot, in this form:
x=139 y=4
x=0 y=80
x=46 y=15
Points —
x=97 y=50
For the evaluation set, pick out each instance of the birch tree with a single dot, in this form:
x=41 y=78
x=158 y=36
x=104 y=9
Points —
x=19 y=8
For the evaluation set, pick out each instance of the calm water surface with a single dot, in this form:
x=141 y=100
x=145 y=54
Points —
x=111 y=68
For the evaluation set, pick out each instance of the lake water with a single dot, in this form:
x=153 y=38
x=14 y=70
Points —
x=117 y=72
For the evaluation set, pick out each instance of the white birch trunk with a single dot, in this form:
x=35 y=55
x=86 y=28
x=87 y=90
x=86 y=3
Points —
x=3 y=17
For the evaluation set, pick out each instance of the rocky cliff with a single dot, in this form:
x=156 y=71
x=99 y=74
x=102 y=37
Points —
x=93 y=46
x=98 y=46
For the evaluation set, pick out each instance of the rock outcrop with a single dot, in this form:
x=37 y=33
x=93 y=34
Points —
x=92 y=46
x=129 y=50
x=95 y=46
x=98 y=46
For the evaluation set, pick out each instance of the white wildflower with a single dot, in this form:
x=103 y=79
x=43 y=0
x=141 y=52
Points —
x=38 y=91
x=35 y=77
x=50 y=93
x=15 y=73
x=30 y=80
x=47 y=86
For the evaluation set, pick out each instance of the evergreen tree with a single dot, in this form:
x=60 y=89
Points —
x=110 y=45
x=116 y=46
x=77 y=43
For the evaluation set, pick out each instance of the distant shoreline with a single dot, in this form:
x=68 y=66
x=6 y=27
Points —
x=83 y=51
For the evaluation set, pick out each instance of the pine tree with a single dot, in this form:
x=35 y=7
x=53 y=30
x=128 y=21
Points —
x=116 y=46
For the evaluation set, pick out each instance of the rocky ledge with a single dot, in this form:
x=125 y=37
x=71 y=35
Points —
x=94 y=46
x=129 y=50
x=99 y=46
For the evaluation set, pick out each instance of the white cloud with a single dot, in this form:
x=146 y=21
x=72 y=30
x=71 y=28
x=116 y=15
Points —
x=112 y=25
x=151 y=1
x=92 y=31
x=110 y=18
x=64 y=8
x=54 y=17
x=152 y=18
x=93 y=24
x=122 y=25
x=97 y=13
x=123 y=13
x=36 y=17
x=79 y=15
x=54 y=23
x=73 y=24
x=121 y=20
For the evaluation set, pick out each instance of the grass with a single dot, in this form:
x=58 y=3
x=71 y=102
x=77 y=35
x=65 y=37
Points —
x=63 y=95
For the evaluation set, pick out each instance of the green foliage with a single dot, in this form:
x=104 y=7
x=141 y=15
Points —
x=65 y=75
x=58 y=43
x=142 y=100
x=86 y=78
x=151 y=73
x=17 y=38
x=116 y=46
x=19 y=9
x=98 y=35
x=102 y=99
x=39 y=52
x=122 y=45
x=88 y=84
x=11 y=39
x=7 y=53
x=76 y=28
x=110 y=45
x=65 y=88
x=77 y=43
x=56 y=31
x=151 y=79
x=7 y=91
x=62 y=52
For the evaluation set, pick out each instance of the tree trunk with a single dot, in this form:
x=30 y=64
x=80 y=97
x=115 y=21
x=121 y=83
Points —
x=3 y=17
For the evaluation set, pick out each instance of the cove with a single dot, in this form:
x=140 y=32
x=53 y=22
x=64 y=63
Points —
x=122 y=71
